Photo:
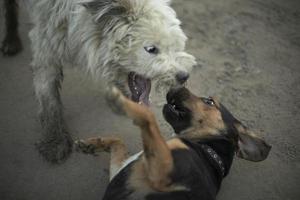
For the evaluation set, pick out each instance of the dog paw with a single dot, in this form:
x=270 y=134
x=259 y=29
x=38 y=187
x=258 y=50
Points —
x=115 y=99
x=55 y=150
x=11 y=46
x=84 y=147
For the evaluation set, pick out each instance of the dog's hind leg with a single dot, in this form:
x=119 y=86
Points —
x=114 y=145
x=56 y=143
x=11 y=44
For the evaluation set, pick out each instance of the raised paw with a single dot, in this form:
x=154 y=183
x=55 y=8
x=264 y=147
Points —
x=85 y=147
x=115 y=99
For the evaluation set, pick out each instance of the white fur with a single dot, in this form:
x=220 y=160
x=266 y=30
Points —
x=67 y=33
x=114 y=172
x=105 y=38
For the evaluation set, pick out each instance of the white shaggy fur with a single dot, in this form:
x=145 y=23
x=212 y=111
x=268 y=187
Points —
x=106 y=38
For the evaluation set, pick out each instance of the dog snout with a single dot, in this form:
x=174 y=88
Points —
x=182 y=77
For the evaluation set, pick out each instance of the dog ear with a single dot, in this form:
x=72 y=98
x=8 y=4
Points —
x=250 y=146
x=107 y=8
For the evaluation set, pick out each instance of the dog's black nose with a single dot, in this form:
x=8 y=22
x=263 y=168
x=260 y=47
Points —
x=182 y=77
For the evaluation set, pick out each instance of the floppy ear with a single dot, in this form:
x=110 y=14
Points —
x=250 y=146
x=107 y=8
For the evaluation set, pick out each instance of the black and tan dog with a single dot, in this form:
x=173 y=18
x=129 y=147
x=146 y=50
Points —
x=189 y=166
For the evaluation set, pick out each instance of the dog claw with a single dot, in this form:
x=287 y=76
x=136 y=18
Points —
x=82 y=147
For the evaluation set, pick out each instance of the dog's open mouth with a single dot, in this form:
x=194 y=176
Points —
x=175 y=112
x=176 y=108
x=140 y=88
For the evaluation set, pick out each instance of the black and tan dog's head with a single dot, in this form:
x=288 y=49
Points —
x=199 y=117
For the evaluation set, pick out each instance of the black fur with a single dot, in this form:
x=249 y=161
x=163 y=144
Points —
x=179 y=122
x=230 y=122
x=195 y=171
x=11 y=44
x=179 y=119
x=192 y=169
x=117 y=188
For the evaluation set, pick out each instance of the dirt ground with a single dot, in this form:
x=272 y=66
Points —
x=249 y=56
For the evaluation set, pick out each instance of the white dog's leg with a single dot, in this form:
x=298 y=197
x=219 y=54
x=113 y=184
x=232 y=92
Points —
x=56 y=143
x=48 y=45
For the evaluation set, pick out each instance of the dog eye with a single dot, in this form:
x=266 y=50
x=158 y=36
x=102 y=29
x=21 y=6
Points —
x=151 y=49
x=209 y=101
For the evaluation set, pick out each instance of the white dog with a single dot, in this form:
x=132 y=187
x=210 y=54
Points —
x=128 y=43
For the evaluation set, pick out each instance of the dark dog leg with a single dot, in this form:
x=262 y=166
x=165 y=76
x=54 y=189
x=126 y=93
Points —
x=11 y=44
x=56 y=144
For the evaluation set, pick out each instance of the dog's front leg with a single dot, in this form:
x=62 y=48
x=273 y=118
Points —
x=11 y=44
x=157 y=155
x=56 y=143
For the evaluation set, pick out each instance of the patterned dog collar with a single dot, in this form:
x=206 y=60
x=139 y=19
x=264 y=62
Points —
x=215 y=157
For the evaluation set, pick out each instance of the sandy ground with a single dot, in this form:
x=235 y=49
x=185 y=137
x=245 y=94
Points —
x=249 y=56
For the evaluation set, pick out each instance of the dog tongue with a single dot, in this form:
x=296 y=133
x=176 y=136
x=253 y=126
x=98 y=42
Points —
x=140 y=88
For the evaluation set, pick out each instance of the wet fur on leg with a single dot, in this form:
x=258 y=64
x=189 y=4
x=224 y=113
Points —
x=56 y=143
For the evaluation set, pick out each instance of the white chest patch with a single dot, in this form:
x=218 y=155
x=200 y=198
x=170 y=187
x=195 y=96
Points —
x=128 y=161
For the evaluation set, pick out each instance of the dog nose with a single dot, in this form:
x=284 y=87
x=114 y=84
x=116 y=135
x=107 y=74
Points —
x=182 y=77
